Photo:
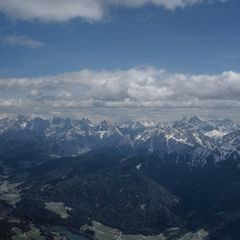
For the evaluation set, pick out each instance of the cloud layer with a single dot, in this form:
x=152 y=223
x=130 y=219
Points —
x=137 y=91
x=21 y=40
x=93 y=10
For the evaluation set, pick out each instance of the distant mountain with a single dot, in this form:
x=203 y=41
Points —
x=65 y=137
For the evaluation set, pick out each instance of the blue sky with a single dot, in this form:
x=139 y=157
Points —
x=184 y=38
x=203 y=38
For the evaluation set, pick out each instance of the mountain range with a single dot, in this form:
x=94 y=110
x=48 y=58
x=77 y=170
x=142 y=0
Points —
x=217 y=139
x=165 y=181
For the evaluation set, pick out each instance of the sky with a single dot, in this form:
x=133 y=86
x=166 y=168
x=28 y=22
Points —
x=120 y=59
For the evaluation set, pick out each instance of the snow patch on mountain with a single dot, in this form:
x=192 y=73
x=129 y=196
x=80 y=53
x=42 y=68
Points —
x=215 y=134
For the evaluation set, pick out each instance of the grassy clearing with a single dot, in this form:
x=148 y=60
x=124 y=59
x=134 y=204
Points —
x=33 y=234
x=58 y=208
x=200 y=235
x=107 y=233
x=10 y=192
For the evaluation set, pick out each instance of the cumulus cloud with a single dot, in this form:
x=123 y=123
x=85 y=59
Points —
x=10 y=103
x=34 y=93
x=140 y=89
x=93 y=10
x=21 y=40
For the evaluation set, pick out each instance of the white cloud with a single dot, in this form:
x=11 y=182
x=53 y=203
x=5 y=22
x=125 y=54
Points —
x=10 y=103
x=35 y=93
x=64 y=10
x=137 y=90
x=21 y=40
x=64 y=95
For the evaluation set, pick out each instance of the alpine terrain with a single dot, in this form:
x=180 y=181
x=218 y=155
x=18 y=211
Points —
x=76 y=179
